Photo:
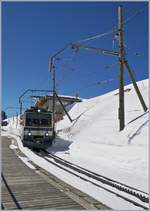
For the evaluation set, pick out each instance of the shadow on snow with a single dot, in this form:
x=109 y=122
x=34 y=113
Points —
x=59 y=145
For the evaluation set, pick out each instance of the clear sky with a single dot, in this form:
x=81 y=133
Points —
x=33 y=31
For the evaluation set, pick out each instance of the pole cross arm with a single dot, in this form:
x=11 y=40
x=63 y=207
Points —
x=104 y=51
x=63 y=107
x=30 y=90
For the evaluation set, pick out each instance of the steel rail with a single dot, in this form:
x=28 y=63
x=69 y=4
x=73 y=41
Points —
x=105 y=180
x=61 y=166
x=93 y=173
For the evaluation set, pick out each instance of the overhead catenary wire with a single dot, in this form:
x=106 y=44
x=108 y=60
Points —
x=94 y=37
x=71 y=70
x=67 y=61
x=112 y=30
x=134 y=15
x=97 y=83
x=65 y=67
x=67 y=75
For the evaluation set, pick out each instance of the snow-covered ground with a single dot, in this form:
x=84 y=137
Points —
x=93 y=141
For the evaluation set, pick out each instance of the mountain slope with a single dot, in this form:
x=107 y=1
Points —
x=95 y=140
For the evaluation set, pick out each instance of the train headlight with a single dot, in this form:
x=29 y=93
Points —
x=29 y=134
x=46 y=134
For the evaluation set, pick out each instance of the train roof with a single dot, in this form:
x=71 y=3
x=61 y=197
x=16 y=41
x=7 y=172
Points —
x=36 y=109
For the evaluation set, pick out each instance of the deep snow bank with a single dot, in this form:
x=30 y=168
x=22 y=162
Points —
x=96 y=120
x=97 y=143
x=93 y=139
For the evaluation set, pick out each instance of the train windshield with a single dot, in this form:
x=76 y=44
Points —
x=38 y=119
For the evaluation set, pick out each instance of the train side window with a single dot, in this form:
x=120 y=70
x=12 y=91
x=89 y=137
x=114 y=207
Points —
x=28 y=122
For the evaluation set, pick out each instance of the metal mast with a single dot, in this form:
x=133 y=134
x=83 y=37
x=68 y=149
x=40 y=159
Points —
x=122 y=61
x=121 y=72
x=52 y=69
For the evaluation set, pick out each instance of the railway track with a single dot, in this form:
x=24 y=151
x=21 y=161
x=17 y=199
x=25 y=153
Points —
x=35 y=188
x=132 y=195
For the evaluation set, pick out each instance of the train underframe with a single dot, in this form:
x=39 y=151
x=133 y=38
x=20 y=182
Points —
x=37 y=142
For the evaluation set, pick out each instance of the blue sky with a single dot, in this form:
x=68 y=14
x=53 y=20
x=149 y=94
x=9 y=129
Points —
x=33 y=31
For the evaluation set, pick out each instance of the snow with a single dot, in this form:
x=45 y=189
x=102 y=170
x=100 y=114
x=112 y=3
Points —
x=93 y=141
x=26 y=161
x=97 y=144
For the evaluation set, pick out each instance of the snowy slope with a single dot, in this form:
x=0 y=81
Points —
x=93 y=141
x=97 y=143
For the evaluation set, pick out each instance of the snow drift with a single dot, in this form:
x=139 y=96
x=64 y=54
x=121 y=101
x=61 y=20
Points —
x=95 y=140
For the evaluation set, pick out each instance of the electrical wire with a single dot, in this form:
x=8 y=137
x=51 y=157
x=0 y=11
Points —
x=65 y=69
x=114 y=31
x=134 y=15
x=111 y=31
x=98 y=83
x=65 y=76
x=95 y=37
x=66 y=62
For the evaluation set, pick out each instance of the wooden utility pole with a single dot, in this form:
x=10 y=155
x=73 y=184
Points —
x=121 y=72
x=135 y=86
x=52 y=69
x=63 y=107
x=122 y=61
x=20 y=108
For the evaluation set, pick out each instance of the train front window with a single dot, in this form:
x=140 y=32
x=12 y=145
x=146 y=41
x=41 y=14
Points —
x=35 y=122
x=44 y=122
x=38 y=120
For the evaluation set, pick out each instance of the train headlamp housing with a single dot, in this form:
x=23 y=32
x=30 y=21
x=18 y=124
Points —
x=29 y=133
x=46 y=134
